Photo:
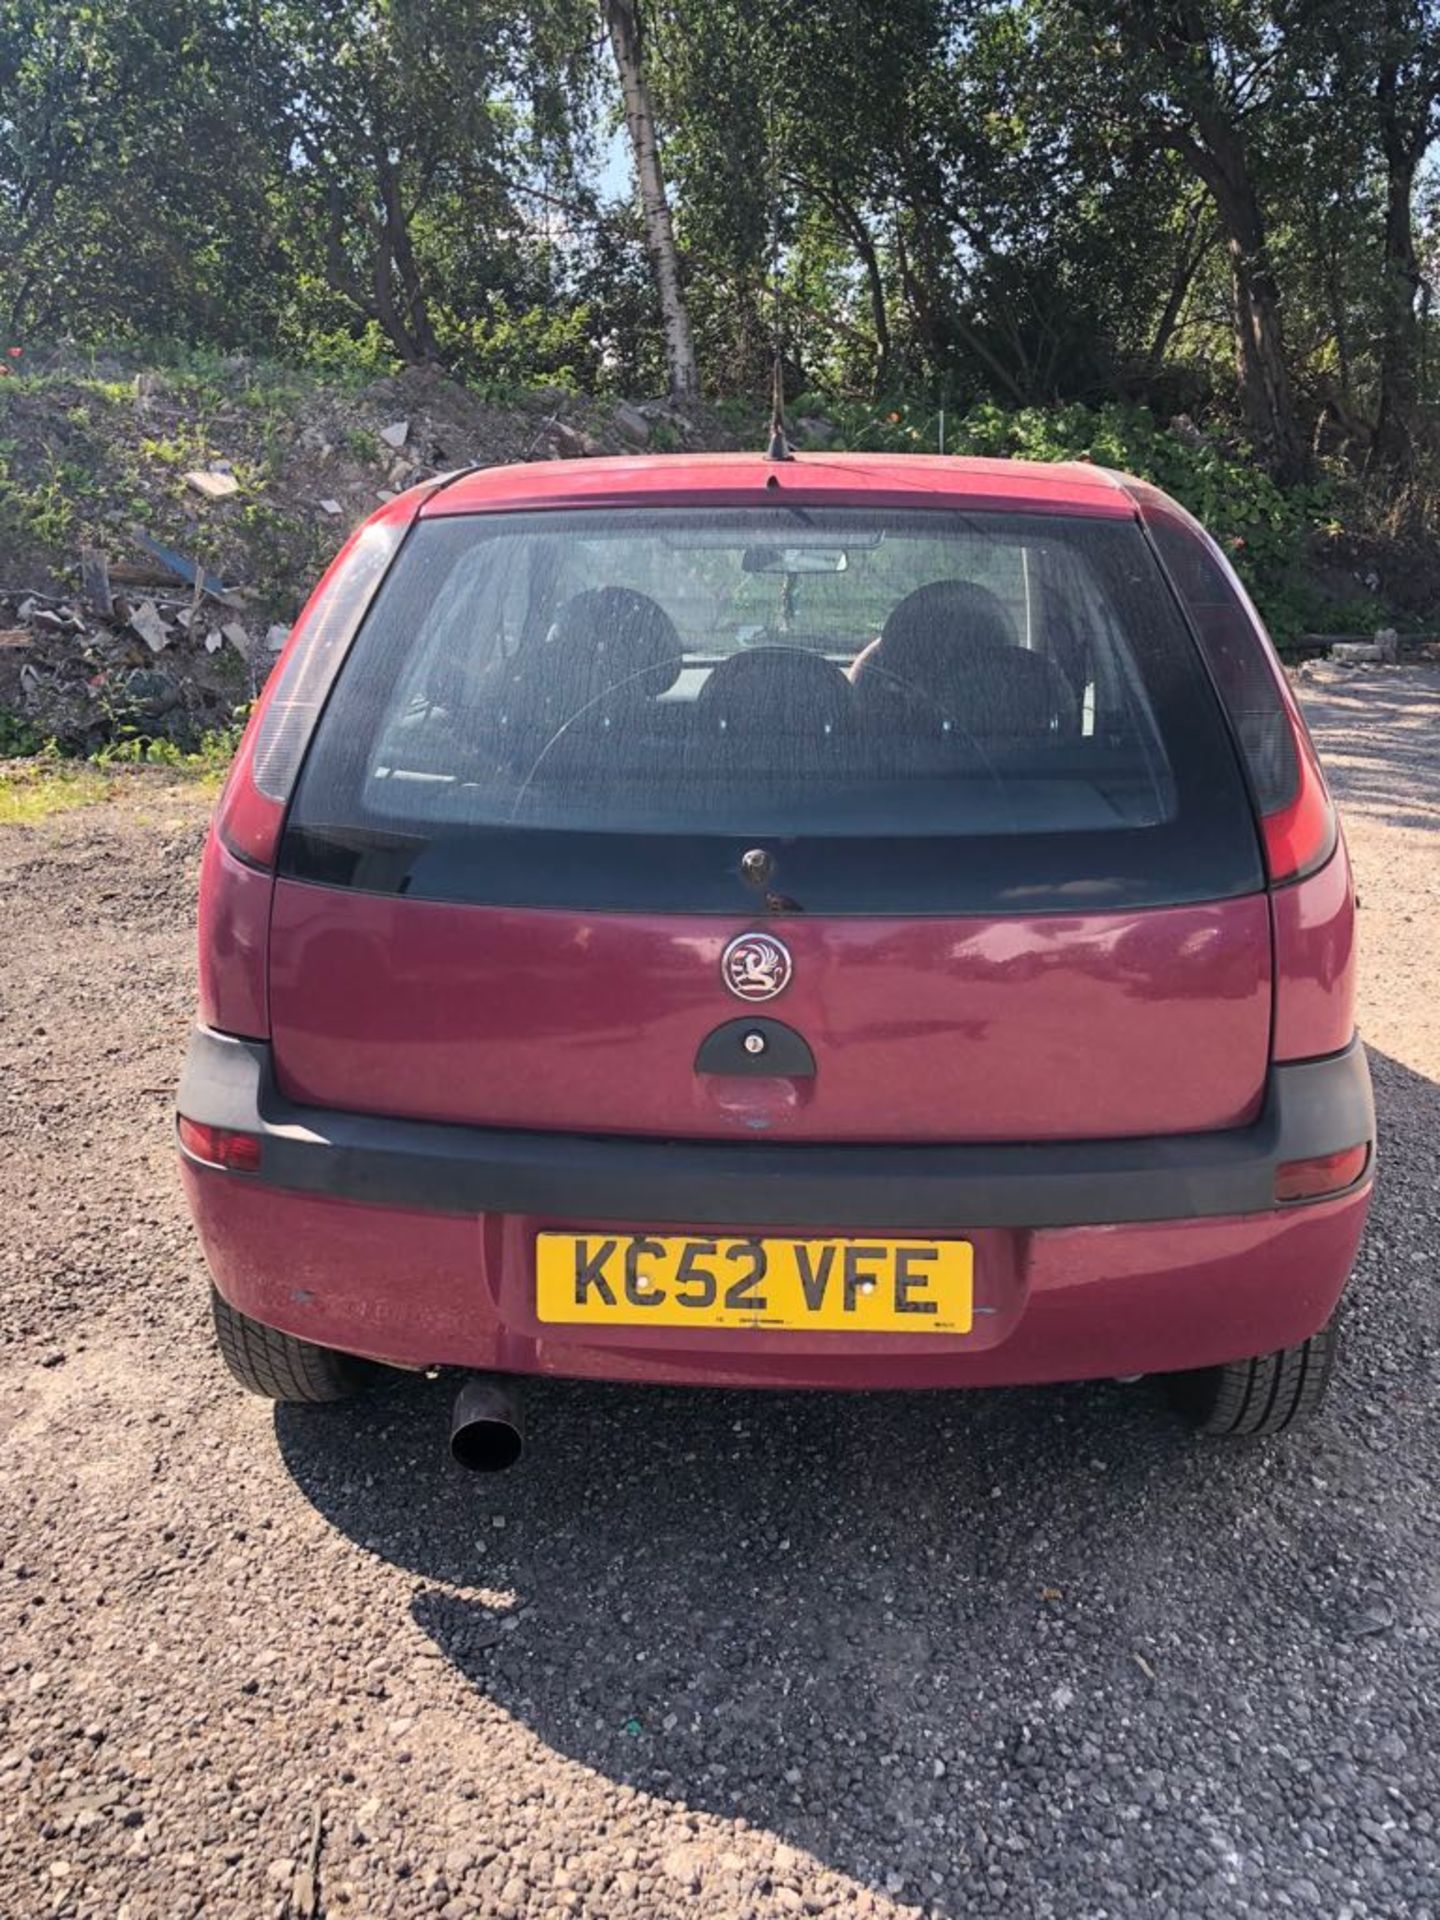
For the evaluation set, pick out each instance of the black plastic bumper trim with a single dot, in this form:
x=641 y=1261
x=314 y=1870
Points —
x=1311 y=1107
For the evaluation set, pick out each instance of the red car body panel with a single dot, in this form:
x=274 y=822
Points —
x=1059 y=1304
x=1314 y=933
x=234 y=942
x=1045 y=1028
x=745 y=479
x=1067 y=1026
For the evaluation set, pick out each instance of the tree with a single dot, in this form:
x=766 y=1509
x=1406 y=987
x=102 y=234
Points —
x=137 y=165
x=1407 y=102
x=1212 y=82
x=622 y=22
x=414 y=124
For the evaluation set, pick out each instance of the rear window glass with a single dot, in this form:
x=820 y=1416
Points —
x=1235 y=657
x=919 y=711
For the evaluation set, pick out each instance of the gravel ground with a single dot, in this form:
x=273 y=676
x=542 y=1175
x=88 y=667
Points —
x=1008 y=1654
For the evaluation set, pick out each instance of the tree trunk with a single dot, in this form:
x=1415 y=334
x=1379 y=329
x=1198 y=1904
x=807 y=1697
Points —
x=1401 y=285
x=863 y=241
x=1219 y=158
x=397 y=253
x=624 y=30
x=1195 y=243
x=879 y=317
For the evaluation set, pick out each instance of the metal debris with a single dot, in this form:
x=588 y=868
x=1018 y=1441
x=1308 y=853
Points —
x=182 y=569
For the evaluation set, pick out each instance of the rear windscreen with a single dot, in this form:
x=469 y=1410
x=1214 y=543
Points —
x=920 y=712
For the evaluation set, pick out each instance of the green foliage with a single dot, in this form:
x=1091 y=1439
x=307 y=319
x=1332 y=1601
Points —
x=347 y=354
x=1072 y=210
x=209 y=758
x=1266 y=530
x=17 y=736
x=554 y=346
x=39 y=780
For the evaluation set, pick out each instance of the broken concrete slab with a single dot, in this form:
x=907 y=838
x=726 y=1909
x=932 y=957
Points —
x=276 y=637
x=146 y=621
x=813 y=430
x=396 y=434
x=212 y=485
x=332 y=507
x=238 y=634
x=214 y=640
x=631 y=422
x=572 y=442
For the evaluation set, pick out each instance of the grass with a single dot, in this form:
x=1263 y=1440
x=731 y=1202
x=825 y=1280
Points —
x=31 y=790
x=46 y=782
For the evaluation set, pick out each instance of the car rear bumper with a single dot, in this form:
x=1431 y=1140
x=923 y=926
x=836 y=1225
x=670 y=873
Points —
x=413 y=1242
x=1311 y=1107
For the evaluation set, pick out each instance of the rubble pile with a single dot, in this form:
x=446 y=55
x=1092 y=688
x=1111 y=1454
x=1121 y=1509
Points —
x=197 y=521
x=140 y=651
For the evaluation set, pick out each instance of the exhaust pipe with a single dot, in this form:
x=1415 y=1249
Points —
x=487 y=1426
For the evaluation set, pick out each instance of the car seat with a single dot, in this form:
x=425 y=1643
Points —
x=609 y=648
x=948 y=652
x=775 y=693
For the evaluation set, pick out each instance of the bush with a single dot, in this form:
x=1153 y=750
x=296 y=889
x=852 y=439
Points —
x=1265 y=529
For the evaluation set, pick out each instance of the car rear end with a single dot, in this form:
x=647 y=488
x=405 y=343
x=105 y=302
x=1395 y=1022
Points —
x=836 y=924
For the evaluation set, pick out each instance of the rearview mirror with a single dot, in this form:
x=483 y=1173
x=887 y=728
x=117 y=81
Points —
x=795 y=560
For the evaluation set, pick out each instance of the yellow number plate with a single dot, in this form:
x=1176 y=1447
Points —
x=857 y=1286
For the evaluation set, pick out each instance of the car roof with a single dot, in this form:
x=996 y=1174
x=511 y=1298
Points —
x=814 y=479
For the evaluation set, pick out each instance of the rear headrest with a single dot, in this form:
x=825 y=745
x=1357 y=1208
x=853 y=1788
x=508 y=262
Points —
x=929 y=627
x=800 y=692
x=609 y=640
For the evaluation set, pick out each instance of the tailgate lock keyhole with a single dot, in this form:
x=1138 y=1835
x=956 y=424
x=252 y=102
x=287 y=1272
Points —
x=756 y=1049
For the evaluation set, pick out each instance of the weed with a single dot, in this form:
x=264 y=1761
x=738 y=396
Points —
x=32 y=790
x=209 y=759
x=18 y=737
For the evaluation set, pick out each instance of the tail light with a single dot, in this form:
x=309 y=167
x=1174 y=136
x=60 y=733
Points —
x=224 y=1147
x=252 y=807
x=1326 y=1173
x=1298 y=826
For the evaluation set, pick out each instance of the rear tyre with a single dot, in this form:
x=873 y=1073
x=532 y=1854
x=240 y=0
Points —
x=1249 y=1399
x=278 y=1366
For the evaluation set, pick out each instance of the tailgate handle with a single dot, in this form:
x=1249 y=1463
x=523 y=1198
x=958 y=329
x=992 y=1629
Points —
x=759 y=1047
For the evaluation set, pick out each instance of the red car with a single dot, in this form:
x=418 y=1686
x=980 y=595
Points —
x=834 y=921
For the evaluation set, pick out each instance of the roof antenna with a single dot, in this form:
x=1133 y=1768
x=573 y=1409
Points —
x=779 y=447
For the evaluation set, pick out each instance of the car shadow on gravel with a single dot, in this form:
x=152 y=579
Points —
x=768 y=1607
x=860 y=1622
